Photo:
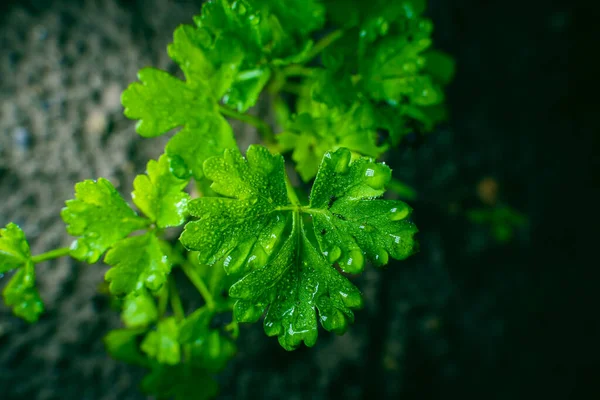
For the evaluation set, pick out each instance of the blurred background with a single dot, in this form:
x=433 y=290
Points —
x=501 y=302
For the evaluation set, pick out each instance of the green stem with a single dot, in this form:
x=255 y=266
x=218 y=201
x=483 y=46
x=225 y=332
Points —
x=50 y=255
x=193 y=276
x=291 y=192
x=263 y=128
x=298 y=70
x=163 y=300
x=234 y=328
x=293 y=88
x=323 y=43
x=175 y=300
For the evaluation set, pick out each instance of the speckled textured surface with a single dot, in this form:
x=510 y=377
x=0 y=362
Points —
x=464 y=318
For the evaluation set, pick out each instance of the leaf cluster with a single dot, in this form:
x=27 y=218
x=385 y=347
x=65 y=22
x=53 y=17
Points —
x=347 y=80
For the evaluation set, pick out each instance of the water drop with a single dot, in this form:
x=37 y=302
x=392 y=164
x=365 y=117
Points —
x=397 y=214
x=354 y=262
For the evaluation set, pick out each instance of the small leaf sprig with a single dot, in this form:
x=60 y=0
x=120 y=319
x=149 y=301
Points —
x=346 y=84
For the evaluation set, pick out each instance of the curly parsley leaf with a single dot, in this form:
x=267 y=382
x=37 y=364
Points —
x=162 y=344
x=295 y=283
x=21 y=294
x=349 y=224
x=383 y=62
x=139 y=310
x=99 y=217
x=311 y=135
x=257 y=232
x=246 y=224
x=138 y=262
x=159 y=194
x=208 y=348
x=191 y=146
x=14 y=249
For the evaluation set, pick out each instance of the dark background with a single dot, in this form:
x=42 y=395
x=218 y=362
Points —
x=466 y=317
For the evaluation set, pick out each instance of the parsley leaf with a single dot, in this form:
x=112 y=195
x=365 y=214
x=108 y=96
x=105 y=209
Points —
x=295 y=282
x=162 y=344
x=348 y=224
x=100 y=217
x=138 y=262
x=383 y=62
x=258 y=232
x=208 y=136
x=139 y=310
x=159 y=194
x=21 y=294
x=209 y=349
x=311 y=135
x=233 y=227
x=14 y=249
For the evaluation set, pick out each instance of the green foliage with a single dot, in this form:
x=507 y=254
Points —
x=311 y=135
x=502 y=220
x=350 y=224
x=20 y=292
x=139 y=310
x=257 y=229
x=162 y=344
x=14 y=249
x=100 y=217
x=347 y=82
x=138 y=262
x=160 y=194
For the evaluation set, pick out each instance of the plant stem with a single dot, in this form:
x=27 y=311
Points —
x=175 y=300
x=263 y=128
x=297 y=70
x=323 y=43
x=50 y=255
x=291 y=192
x=234 y=328
x=163 y=300
x=192 y=275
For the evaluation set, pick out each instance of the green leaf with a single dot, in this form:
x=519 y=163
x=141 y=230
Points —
x=310 y=136
x=440 y=65
x=100 y=217
x=162 y=102
x=502 y=220
x=180 y=382
x=349 y=225
x=205 y=138
x=231 y=226
x=245 y=90
x=138 y=262
x=122 y=344
x=139 y=310
x=21 y=294
x=160 y=195
x=213 y=351
x=297 y=281
x=195 y=326
x=14 y=249
x=258 y=232
x=383 y=62
x=162 y=344
x=209 y=64
x=209 y=349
